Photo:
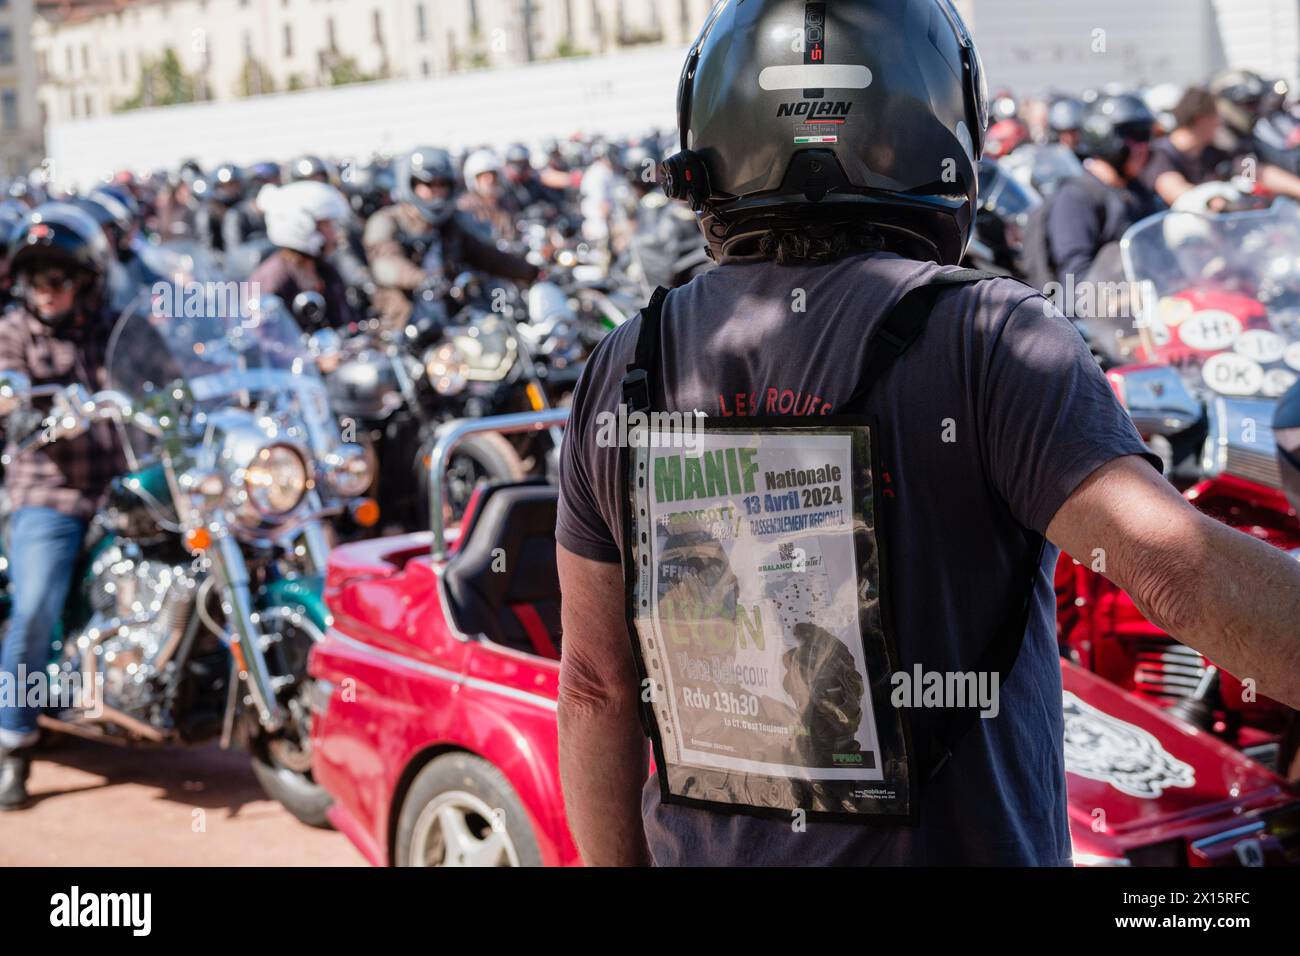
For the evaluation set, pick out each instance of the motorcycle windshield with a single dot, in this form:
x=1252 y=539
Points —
x=180 y=261
x=1007 y=197
x=210 y=350
x=1042 y=168
x=1219 y=297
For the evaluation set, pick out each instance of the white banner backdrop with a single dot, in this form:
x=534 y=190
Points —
x=626 y=94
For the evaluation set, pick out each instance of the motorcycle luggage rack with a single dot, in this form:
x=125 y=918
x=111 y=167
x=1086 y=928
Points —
x=453 y=434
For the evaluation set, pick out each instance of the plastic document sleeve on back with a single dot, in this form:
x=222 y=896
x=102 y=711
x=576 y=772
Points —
x=755 y=600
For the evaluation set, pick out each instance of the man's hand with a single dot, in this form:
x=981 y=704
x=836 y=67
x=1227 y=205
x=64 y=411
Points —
x=1233 y=598
x=602 y=748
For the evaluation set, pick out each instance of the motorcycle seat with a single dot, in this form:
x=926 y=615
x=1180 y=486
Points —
x=502 y=581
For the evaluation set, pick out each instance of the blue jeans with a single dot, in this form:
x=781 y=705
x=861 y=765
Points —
x=42 y=549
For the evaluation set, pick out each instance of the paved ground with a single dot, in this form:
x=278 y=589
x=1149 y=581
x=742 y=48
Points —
x=100 y=805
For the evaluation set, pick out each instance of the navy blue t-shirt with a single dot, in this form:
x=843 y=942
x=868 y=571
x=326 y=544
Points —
x=988 y=423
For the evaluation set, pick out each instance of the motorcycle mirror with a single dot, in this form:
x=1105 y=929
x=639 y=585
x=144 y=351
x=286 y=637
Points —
x=309 y=308
x=460 y=288
x=1156 y=398
x=325 y=343
x=15 y=390
x=1286 y=432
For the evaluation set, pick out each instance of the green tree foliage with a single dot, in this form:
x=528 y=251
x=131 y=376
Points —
x=163 y=82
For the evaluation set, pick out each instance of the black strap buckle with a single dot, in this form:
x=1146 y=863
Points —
x=636 y=390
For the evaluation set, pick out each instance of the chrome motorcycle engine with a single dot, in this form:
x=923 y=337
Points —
x=140 y=611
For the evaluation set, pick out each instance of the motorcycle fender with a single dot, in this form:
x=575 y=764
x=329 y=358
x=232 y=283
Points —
x=305 y=592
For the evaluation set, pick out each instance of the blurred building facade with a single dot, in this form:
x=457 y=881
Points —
x=20 y=117
x=99 y=57
x=268 y=78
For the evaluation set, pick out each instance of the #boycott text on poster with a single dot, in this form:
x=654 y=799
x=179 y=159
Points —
x=751 y=596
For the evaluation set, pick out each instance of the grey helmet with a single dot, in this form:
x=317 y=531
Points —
x=425 y=164
x=1066 y=114
x=792 y=112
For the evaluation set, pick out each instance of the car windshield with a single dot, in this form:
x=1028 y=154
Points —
x=1220 y=297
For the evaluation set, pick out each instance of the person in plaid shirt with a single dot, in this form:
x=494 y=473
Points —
x=56 y=333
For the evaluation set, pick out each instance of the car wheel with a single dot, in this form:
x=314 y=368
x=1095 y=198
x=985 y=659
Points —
x=461 y=811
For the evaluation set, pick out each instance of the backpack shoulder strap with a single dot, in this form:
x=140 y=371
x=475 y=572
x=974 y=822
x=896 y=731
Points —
x=638 y=380
x=903 y=325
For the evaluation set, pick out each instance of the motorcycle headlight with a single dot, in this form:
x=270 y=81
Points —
x=275 y=480
x=349 y=471
x=447 y=369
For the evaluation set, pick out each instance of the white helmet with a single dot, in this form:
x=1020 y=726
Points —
x=477 y=163
x=1201 y=198
x=292 y=212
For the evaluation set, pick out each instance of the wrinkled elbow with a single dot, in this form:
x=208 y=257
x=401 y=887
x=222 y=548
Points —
x=1165 y=588
x=588 y=691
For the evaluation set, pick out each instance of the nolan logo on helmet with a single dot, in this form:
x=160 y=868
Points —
x=815 y=108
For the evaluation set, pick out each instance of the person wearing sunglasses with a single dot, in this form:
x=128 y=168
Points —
x=56 y=334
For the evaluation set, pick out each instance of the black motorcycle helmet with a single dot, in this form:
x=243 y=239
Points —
x=426 y=164
x=1286 y=429
x=263 y=174
x=518 y=155
x=369 y=188
x=311 y=167
x=1065 y=115
x=61 y=234
x=792 y=113
x=12 y=214
x=120 y=203
x=226 y=184
x=639 y=167
x=1112 y=124
x=1240 y=95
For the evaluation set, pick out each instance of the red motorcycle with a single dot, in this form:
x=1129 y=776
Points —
x=1202 y=341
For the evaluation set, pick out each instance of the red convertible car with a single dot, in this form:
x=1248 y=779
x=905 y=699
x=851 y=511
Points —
x=435 y=723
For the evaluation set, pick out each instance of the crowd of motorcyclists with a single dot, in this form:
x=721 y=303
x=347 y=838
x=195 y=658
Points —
x=1095 y=164
x=392 y=246
x=372 y=234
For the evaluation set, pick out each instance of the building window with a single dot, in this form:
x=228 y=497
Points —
x=288 y=40
x=248 y=44
x=121 y=65
x=329 y=35
x=9 y=109
x=377 y=19
x=90 y=109
x=425 y=69
x=85 y=57
x=67 y=55
x=421 y=23
x=6 y=46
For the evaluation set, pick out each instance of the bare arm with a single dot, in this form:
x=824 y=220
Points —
x=1277 y=180
x=1233 y=598
x=602 y=748
x=1171 y=185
